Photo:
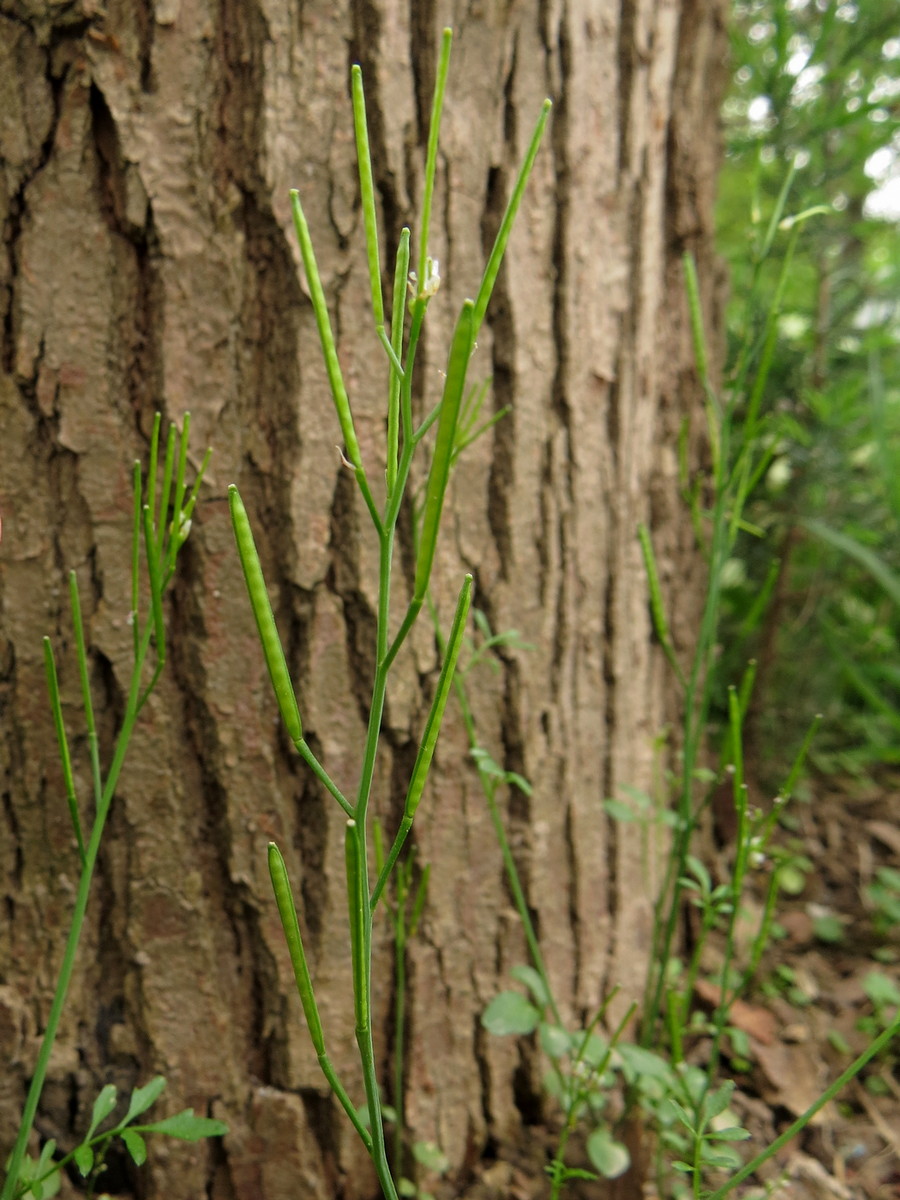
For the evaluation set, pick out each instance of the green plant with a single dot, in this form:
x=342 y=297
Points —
x=404 y=913
x=582 y=1074
x=41 y=1177
x=433 y=1163
x=687 y=1105
x=162 y=512
x=813 y=102
x=404 y=438
x=883 y=897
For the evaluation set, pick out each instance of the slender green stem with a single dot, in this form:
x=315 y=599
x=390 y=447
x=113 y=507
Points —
x=154 y=540
x=489 y=787
x=69 y=954
x=303 y=749
x=880 y=1043
x=399 y=1031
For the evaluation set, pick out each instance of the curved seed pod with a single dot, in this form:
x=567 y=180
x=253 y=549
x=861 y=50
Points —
x=265 y=618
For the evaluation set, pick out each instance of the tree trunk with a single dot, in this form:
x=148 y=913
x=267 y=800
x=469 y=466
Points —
x=149 y=262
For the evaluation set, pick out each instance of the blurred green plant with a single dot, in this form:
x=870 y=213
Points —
x=41 y=1178
x=454 y=421
x=161 y=522
x=812 y=123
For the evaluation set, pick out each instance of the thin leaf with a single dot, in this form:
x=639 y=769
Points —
x=877 y=567
x=187 y=1127
x=143 y=1097
x=103 y=1106
x=84 y=1159
x=135 y=1145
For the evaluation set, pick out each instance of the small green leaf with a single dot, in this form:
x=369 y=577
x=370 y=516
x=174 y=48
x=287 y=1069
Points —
x=610 y=1157
x=510 y=1013
x=84 y=1159
x=880 y=989
x=186 y=1126
x=717 y=1101
x=594 y=1051
x=143 y=1097
x=618 y=811
x=485 y=764
x=555 y=1041
x=135 y=1145
x=557 y=1170
x=35 y=1170
x=791 y=879
x=103 y=1106
x=533 y=981
x=406 y=1187
x=431 y=1157
x=47 y=1153
x=725 y=1161
x=519 y=781
x=699 y=872
x=638 y=1062
x=828 y=928
x=732 y=1134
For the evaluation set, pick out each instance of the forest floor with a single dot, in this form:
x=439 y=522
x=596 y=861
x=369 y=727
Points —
x=809 y=1015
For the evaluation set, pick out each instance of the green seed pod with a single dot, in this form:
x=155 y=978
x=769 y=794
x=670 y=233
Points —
x=457 y=366
x=265 y=618
x=356 y=885
x=284 y=898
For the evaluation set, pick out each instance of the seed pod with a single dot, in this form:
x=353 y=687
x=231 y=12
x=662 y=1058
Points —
x=265 y=618
x=457 y=367
x=284 y=898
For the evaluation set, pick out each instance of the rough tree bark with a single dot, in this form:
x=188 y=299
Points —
x=148 y=147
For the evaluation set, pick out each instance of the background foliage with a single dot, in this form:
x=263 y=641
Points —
x=814 y=590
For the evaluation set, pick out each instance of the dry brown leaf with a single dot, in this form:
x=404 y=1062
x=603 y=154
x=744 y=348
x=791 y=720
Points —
x=757 y=1022
x=796 y=1075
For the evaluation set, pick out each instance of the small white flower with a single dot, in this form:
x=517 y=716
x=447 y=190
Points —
x=431 y=283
